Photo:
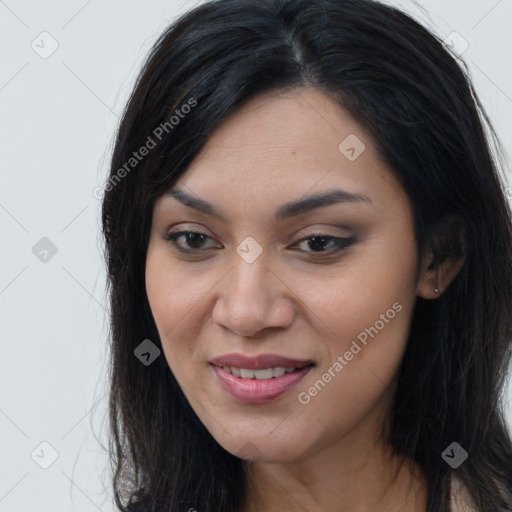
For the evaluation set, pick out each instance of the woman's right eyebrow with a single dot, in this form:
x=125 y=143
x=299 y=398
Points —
x=287 y=210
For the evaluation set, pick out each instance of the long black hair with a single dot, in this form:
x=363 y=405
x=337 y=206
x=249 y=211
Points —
x=415 y=99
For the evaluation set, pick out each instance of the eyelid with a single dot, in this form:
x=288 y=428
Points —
x=321 y=231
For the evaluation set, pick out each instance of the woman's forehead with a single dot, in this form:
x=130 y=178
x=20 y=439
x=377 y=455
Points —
x=296 y=142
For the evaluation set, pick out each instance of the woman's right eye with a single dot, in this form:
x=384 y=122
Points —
x=193 y=239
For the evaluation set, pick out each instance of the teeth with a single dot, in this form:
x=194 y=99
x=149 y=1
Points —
x=264 y=374
x=246 y=374
x=279 y=371
x=267 y=373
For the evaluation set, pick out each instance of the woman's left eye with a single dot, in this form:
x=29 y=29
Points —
x=317 y=242
x=321 y=241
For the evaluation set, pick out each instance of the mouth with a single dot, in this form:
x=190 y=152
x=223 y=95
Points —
x=263 y=374
x=257 y=380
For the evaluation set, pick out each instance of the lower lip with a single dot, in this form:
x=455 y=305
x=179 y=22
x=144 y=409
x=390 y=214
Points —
x=254 y=391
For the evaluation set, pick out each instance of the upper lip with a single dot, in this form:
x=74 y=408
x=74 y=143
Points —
x=259 y=362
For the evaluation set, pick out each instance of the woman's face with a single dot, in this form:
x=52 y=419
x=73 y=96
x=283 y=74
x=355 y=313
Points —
x=306 y=307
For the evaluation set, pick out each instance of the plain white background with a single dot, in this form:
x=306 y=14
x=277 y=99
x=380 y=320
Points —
x=58 y=118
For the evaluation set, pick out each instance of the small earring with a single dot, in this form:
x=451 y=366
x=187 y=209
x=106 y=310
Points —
x=436 y=291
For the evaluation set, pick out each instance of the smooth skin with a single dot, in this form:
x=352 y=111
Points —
x=299 y=298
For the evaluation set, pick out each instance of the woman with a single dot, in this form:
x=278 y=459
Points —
x=309 y=258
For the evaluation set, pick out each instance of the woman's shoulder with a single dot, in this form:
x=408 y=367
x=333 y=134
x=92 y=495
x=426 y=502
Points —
x=460 y=500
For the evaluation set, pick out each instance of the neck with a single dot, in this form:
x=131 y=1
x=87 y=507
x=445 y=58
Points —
x=355 y=477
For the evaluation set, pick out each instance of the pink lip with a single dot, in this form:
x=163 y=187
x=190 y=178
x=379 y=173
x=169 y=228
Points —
x=254 y=391
x=260 y=362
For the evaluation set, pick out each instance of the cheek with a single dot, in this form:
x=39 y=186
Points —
x=371 y=291
x=353 y=384
x=179 y=301
x=363 y=316
x=172 y=296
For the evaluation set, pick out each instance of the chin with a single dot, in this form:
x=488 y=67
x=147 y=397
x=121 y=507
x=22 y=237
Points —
x=257 y=449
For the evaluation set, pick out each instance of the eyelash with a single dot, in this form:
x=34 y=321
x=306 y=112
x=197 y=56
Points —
x=340 y=243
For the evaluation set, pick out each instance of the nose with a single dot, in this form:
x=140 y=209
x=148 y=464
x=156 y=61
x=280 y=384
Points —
x=253 y=298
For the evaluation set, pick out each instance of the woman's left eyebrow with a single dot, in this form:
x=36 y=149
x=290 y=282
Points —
x=287 y=210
